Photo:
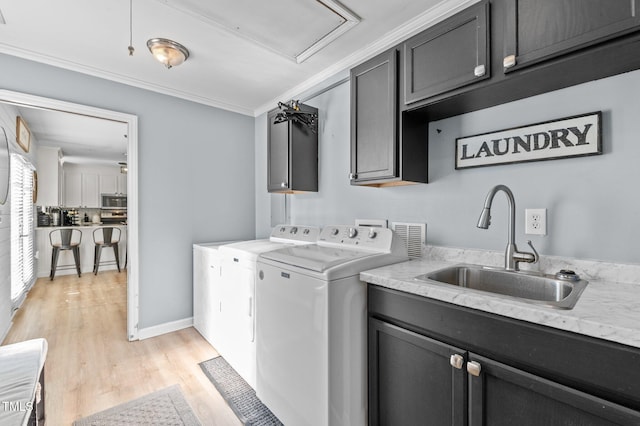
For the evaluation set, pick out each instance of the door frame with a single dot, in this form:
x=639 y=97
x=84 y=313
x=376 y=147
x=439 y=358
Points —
x=133 y=274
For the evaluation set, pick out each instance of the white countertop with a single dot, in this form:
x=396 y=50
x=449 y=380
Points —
x=88 y=225
x=606 y=309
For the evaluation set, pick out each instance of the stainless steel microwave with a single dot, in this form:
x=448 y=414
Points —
x=113 y=201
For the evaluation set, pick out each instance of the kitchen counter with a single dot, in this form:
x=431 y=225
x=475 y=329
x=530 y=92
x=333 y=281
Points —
x=607 y=309
x=84 y=225
x=43 y=247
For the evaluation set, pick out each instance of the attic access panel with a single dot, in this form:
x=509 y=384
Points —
x=295 y=29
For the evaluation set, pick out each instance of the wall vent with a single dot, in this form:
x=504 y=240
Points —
x=414 y=235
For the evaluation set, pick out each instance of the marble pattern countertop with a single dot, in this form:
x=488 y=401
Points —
x=608 y=309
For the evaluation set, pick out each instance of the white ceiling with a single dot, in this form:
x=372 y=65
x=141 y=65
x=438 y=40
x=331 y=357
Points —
x=82 y=139
x=245 y=55
x=228 y=68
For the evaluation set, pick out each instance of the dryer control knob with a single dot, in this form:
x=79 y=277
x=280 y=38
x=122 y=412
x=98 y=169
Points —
x=353 y=232
x=294 y=230
x=372 y=233
x=334 y=231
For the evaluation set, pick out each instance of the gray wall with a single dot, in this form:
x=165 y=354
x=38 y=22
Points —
x=593 y=204
x=196 y=176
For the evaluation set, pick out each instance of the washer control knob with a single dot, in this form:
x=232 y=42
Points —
x=353 y=232
x=282 y=229
x=372 y=233
x=334 y=231
x=294 y=230
x=306 y=231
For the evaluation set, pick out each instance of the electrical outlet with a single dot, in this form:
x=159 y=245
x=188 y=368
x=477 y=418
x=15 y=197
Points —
x=535 y=221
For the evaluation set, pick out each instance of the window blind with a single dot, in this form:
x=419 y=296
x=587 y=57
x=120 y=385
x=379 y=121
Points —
x=22 y=265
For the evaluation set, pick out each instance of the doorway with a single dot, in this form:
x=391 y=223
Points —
x=22 y=100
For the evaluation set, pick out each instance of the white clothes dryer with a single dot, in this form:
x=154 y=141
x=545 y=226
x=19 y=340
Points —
x=236 y=338
x=311 y=325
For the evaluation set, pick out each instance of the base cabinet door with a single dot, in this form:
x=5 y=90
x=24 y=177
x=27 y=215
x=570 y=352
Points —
x=412 y=380
x=500 y=395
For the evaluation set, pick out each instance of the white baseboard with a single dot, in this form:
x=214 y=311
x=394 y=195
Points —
x=167 y=327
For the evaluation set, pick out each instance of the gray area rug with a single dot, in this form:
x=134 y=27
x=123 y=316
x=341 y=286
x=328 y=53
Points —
x=164 y=407
x=239 y=395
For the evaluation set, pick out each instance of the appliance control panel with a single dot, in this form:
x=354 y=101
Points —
x=361 y=237
x=294 y=233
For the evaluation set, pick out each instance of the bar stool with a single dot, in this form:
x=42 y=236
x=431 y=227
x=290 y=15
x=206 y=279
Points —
x=64 y=239
x=106 y=236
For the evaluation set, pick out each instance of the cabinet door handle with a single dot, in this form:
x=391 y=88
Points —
x=509 y=61
x=353 y=176
x=283 y=185
x=479 y=71
x=456 y=361
x=473 y=368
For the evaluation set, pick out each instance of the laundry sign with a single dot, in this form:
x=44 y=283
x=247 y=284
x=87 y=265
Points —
x=567 y=137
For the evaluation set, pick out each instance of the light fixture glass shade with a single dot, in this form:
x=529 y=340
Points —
x=168 y=52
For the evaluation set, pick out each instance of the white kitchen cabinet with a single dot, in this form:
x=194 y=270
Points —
x=50 y=176
x=81 y=190
x=108 y=184
x=207 y=292
x=122 y=184
x=73 y=189
x=90 y=190
x=113 y=184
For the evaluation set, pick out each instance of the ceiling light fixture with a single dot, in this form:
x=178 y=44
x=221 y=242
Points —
x=168 y=52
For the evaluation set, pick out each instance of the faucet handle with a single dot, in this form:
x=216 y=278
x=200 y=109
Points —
x=536 y=257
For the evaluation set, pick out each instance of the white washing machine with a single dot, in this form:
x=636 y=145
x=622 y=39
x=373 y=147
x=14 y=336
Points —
x=311 y=327
x=235 y=339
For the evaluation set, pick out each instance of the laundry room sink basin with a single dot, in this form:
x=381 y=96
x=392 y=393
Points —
x=560 y=291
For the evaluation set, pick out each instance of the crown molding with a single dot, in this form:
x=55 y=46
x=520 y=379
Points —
x=426 y=19
x=412 y=27
x=118 y=78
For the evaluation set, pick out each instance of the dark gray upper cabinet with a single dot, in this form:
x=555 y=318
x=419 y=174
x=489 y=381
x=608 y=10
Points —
x=537 y=30
x=380 y=155
x=374 y=106
x=449 y=55
x=292 y=155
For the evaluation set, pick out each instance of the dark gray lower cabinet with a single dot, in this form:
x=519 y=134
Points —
x=504 y=396
x=413 y=382
x=433 y=363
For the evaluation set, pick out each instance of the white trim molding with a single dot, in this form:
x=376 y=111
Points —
x=133 y=274
x=167 y=327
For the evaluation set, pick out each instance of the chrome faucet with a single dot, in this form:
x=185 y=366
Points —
x=511 y=255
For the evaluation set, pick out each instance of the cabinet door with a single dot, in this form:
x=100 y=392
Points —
x=536 y=30
x=278 y=177
x=501 y=395
x=122 y=183
x=108 y=184
x=73 y=190
x=374 y=122
x=90 y=190
x=412 y=380
x=452 y=54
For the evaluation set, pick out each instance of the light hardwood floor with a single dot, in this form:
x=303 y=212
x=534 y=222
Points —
x=90 y=364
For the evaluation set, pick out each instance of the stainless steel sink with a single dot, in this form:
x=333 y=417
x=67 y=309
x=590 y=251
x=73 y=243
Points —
x=559 y=291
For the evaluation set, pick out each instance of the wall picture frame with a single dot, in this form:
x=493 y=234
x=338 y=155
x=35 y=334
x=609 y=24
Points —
x=23 y=134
